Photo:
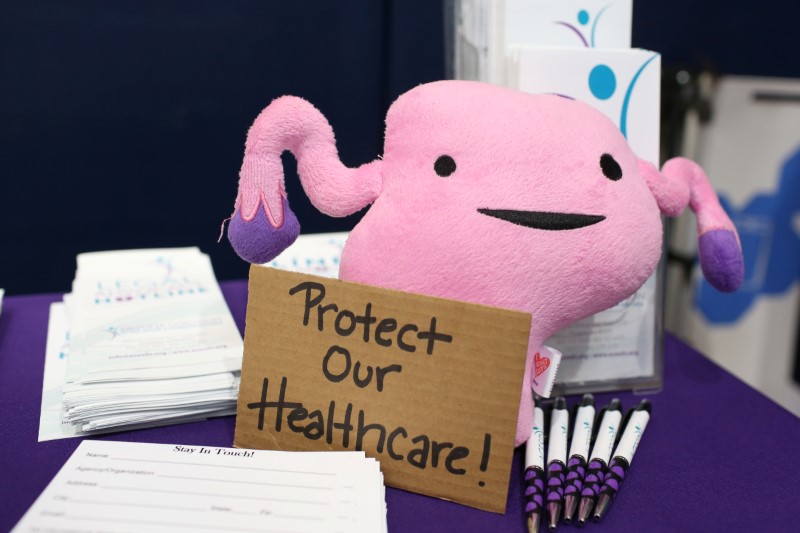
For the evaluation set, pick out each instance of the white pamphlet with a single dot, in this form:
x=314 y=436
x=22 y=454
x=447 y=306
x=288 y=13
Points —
x=145 y=338
x=316 y=254
x=574 y=23
x=485 y=31
x=625 y=85
x=615 y=344
x=149 y=314
x=123 y=486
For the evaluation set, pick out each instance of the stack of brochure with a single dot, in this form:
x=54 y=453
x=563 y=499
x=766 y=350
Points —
x=145 y=338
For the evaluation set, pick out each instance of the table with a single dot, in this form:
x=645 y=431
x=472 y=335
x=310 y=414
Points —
x=717 y=455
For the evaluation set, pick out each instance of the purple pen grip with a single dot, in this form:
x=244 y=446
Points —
x=595 y=474
x=576 y=470
x=614 y=476
x=534 y=489
x=555 y=481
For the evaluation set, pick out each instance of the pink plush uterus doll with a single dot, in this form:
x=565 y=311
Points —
x=486 y=195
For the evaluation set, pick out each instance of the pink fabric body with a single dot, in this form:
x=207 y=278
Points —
x=513 y=151
x=424 y=233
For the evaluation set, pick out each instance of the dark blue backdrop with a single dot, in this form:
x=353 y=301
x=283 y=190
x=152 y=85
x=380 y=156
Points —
x=122 y=123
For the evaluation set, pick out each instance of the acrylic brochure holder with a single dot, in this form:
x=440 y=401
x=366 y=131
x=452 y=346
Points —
x=577 y=50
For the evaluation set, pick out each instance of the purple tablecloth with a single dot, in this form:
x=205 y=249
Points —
x=717 y=455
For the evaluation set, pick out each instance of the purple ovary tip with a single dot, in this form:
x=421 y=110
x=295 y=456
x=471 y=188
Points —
x=257 y=241
x=721 y=259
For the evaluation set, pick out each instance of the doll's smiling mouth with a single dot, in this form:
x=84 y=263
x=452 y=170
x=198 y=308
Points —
x=543 y=219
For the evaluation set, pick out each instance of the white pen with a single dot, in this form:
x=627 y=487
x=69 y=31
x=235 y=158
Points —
x=623 y=456
x=534 y=471
x=578 y=454
x=607 y=431
x=556 y=460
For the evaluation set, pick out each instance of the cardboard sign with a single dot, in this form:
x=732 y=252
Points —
x=429 y=387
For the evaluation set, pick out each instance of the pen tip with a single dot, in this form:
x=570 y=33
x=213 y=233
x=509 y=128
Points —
x=533 y=523
x=615 y=405
x=585 y=509
x=560 y=403
x=603 y=503
x=570 y=503
x=644 y=405
x=587 y=400
x=553 y=514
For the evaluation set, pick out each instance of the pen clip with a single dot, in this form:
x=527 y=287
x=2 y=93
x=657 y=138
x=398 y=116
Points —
x=573 y=419
x=546 y=428
x=598 y=418
x=623 y=424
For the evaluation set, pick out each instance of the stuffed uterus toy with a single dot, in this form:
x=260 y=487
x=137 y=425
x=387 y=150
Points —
x=485 y=195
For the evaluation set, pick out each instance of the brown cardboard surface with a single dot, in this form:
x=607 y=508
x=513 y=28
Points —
x=446 y=391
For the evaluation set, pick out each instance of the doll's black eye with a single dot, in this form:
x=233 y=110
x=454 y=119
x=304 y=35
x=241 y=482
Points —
x=610 y=167
x=444 y=166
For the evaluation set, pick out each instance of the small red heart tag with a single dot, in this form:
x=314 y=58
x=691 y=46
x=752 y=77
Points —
x=540 y=364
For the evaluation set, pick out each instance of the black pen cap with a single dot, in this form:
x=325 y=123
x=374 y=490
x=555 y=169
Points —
x=644 y=405
x=614 y=405
x=560 y=403
x=586 y=401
